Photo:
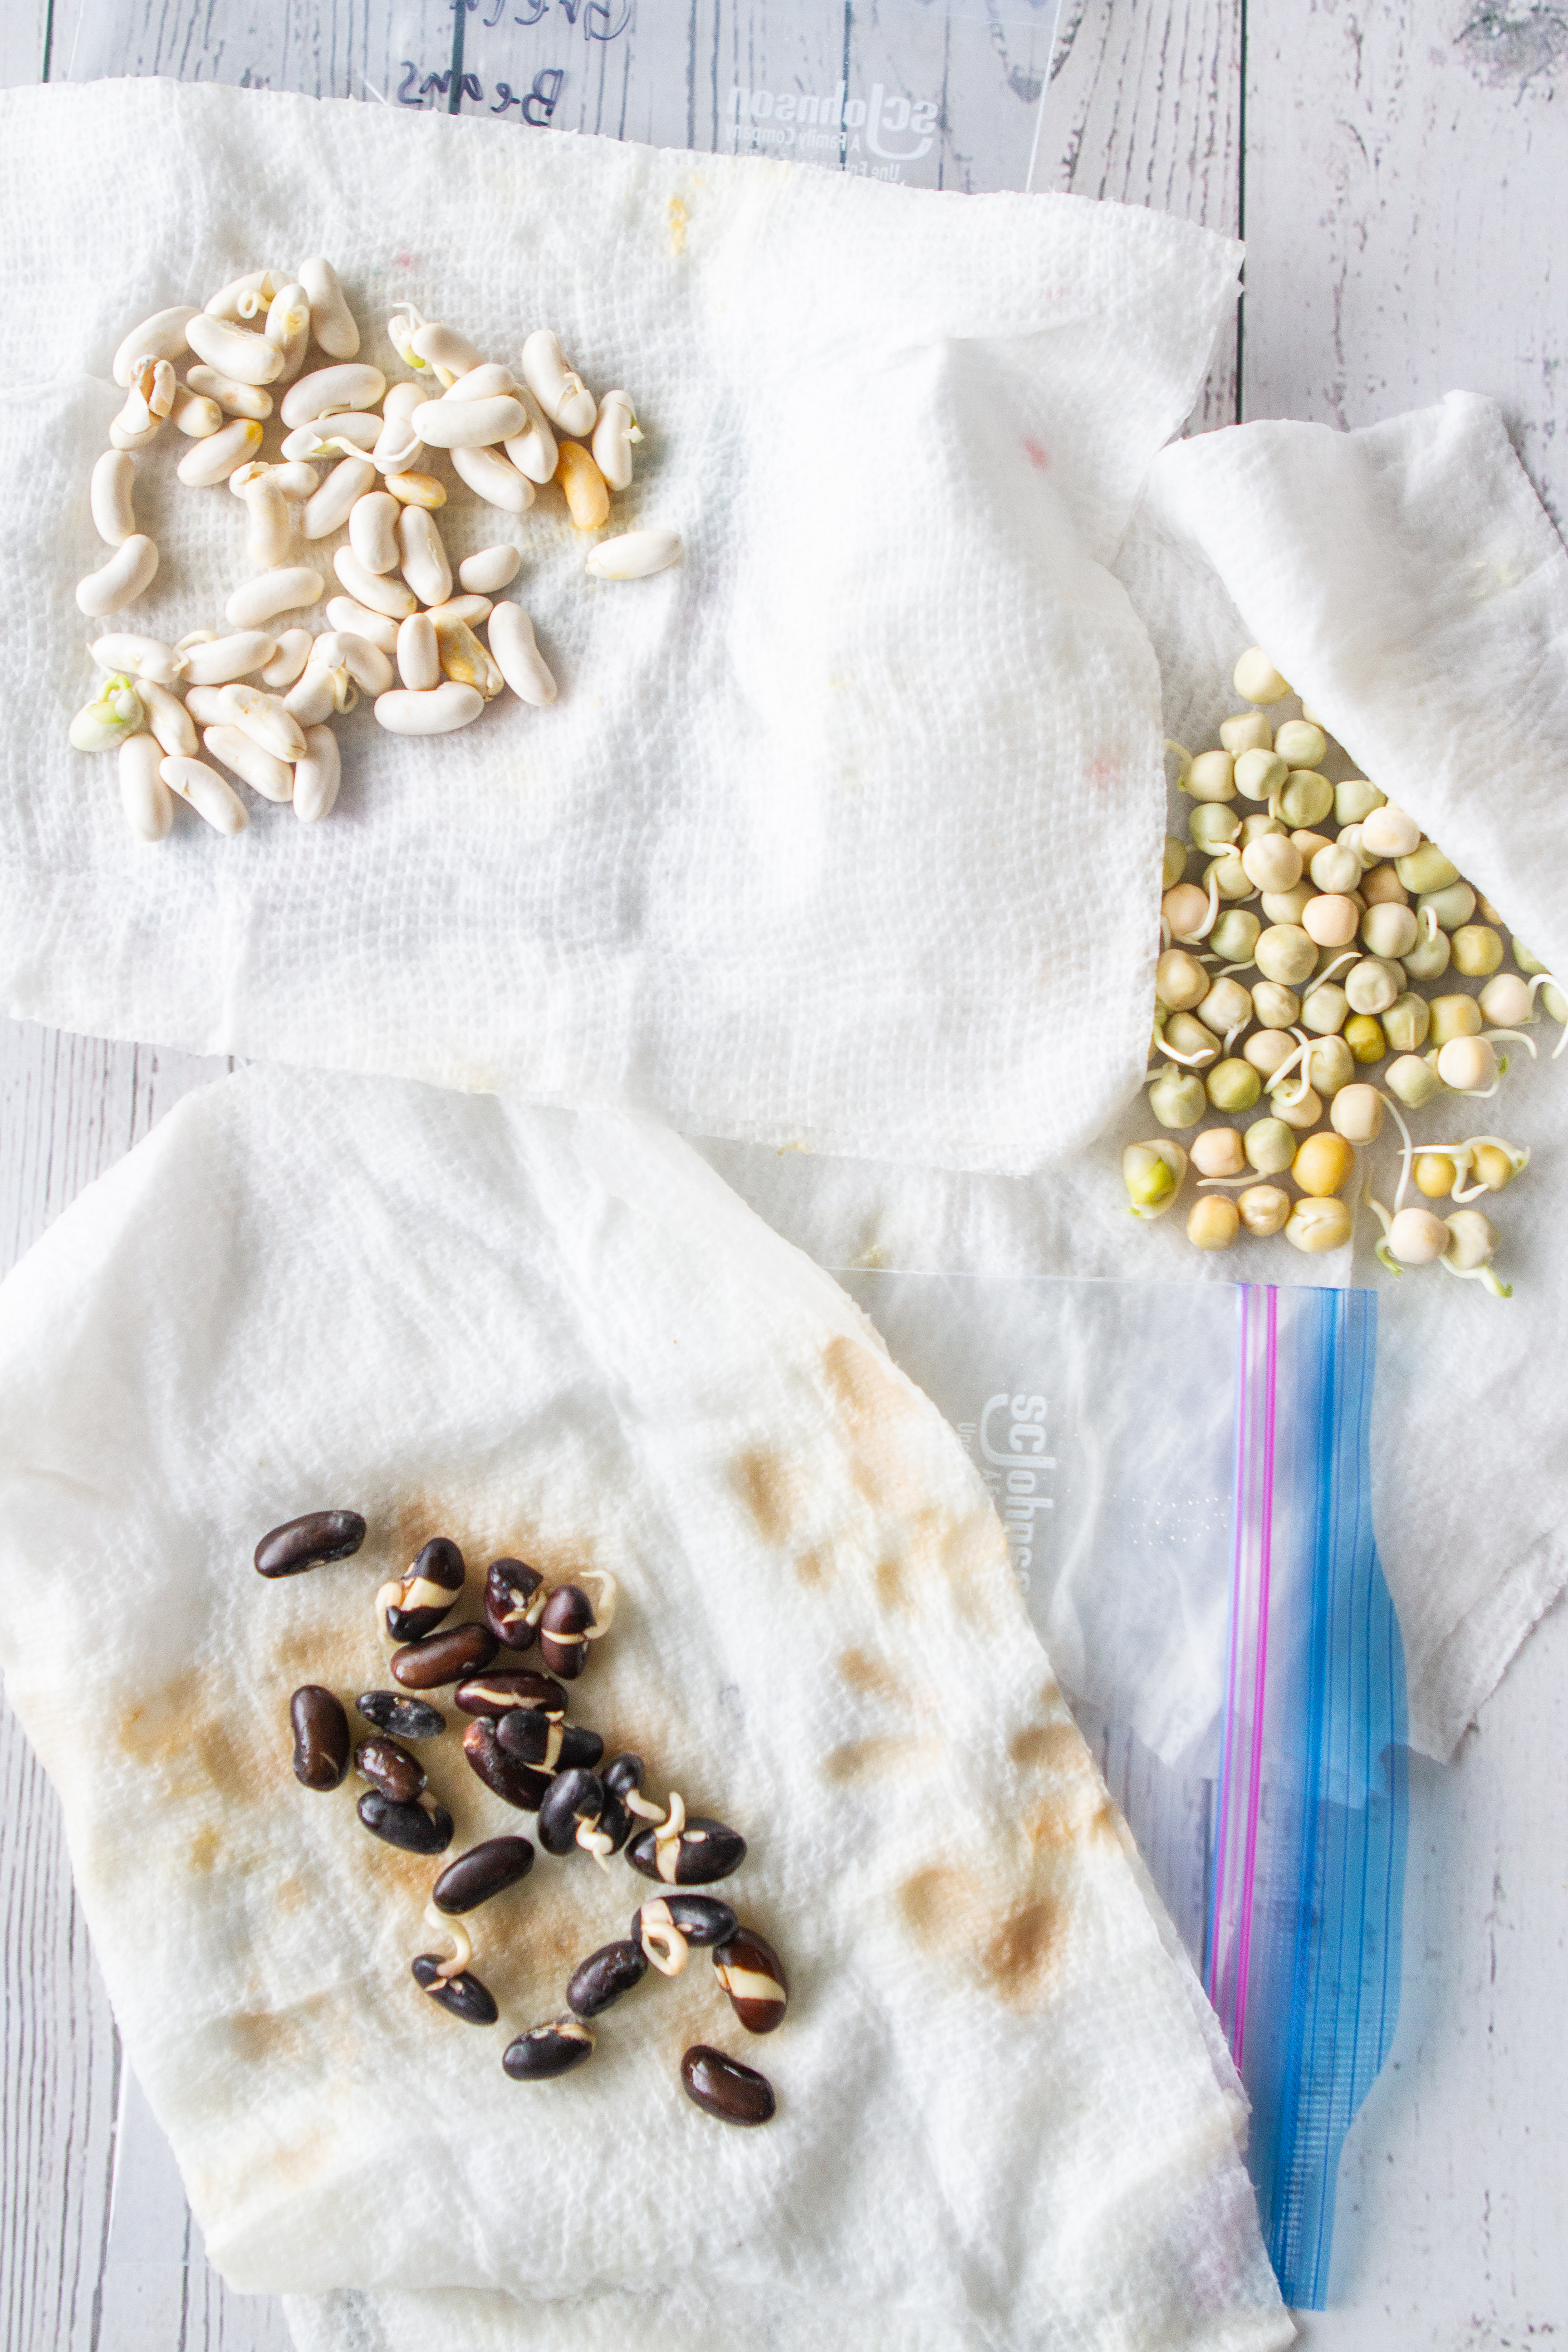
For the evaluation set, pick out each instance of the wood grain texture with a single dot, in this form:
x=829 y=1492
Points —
x=24 y=24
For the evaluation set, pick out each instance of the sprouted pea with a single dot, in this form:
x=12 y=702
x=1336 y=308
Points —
x=1472 y=1245
x=1154 y=1174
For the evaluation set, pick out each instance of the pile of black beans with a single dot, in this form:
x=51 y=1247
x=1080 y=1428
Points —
x=520 y=1744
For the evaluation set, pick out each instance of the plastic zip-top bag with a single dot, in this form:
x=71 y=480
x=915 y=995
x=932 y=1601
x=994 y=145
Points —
x=1183 y=1471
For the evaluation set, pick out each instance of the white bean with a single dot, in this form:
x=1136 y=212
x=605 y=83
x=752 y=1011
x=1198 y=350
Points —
x=234 y=351
x=366 y=663
x=450 y=354
x=484 y=384
x=491 y=568
x=466 y=423
x=284 y=589
x=125 y=436
x=235 y=399
x=388 y=596
x=269 y=526
x=495 y=478
x=297 y=480
x=518 y=657
x=219 y=659
x=419 y=654
x=373 y=530
x=293 y=652
x=113 y=482
x=464 y=658
x=262 y=770
x=534 y=450
x=208 y=706
x=161 y=337
x=347 y=614
x=559 y=389
x=317 y=696
x=438 y=712
x=196 y=417
x=425 y=564
x=146 y=799
x=215 y=459
x=358 y=425
x=139 y=658
x=317 y=775
x=121 y=580
x=288 y=326
x=635 y=554
x=613 y=434
x=207 y=792
x=265 y=721
x=331 y=320
x=243 y=298
x=167 y=716
x=472 y=609
x=333 y=503
x=353 y=386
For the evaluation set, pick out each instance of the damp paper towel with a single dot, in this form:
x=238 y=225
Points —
x=843 y=833
x=1003 y=2121
x=1406 y=580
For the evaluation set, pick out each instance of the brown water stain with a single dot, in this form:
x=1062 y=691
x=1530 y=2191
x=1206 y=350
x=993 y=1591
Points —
x=1013 y=1946
x=1048 y=1747
x=870 y=1675
x=180 y=1735
x=205 y=1849
x=883 y=1760
x=774 y=1492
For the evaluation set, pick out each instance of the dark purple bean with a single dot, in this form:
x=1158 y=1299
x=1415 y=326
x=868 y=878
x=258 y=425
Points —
x=702 y=1918
x=405 y=1719
x=532 y=1737
x=511 y=1590
x=623 y=1773
x=504 y=1692
x=604 y=1976
x=300 y=1544
x=418 y=1828
x=514 y=1783
x=571 y=1798
x=445 y=1657
x=735 y=2094
x=428 y=1591
x=464 y=1995
x=705 y=1850
x=545 y=2051
x=483 y=1871
x=563 y=1631
x=390 y=1769
x=753 y=1974
x=321 y=1737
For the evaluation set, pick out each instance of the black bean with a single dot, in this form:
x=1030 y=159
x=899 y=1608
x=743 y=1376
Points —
x=615 y=1821
x=579 y=1748
x=445 y=1657
x=418 y=1828
x=702 y=1918
x=563 y=1631
x=502 y=1693
x=604 y=1976
x=464 y=1995
x=705 y=1850
x=511 y=1590
x=390 y=1769
x=406 y=1718
x=321 y=1737
x=482 y=1872
x=572 y=1797
x=514 y=1783
x=300 y=1544
x=548 y=2050
x=531 y=1737
x=735 y=2094
x=428 y=1591
x=753 y=1974
x=623 y=1773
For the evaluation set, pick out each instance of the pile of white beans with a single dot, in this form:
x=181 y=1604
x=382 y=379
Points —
x=402 y=630
x=1363 y=924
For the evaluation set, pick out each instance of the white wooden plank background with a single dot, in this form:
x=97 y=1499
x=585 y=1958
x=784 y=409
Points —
x=1399 y=174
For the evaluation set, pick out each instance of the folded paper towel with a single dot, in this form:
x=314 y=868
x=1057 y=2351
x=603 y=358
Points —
x=799 y=852
x=1003 y=2121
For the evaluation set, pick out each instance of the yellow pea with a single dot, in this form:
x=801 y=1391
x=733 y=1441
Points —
x=1214 y=1223
x=1323 y=1164
x=1434 y=1172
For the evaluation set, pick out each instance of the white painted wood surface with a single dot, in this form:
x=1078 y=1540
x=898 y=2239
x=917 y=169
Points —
x=1399 y=174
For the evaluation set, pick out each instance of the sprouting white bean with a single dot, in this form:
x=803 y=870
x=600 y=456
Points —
x=293 y=652
x=207 y=792
x=167 y=716
x=196 y=417
x=146 y=799
x=559 y=389
x=419 y=654
x=353 y=386
x=323 y=690
x=220 y=660
x=333 y=504
x=388 y=596
x=317 y=776
x=127 y=436
x=243 y=298
x=262 y=770
x=613 y=434
x=637 y=553
x=495 y=478
x=139 y=658
x=535 y=451
x=366 y=663
x=466 y=423
x=438 y=712
x=398 y=448
x=284 y=589
x=235 y=399
x=121 y=580
x=484 y=384
x=297 y=480
x=450 y=354
x=215 y=459
x=469 y=608
x=234 y=351
x=347 y=614
x=521 y=663
x=288 y=326
x=425 y=564
x=161 y=337
x=464 y=658
x=358 y=425
x=265 y=721
x=113 y=483
x=331 y=320
x=373 y=530
x=489 y=570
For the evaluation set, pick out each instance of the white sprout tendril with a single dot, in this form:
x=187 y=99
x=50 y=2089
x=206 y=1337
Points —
x=389 y=1597
x=1548 y=980
x=596 y=1841
x=1164 y=932
x=1481 y=1274
x=339 y=441
x=1350 y=955
x=1226 y=968
x=1463 y=1156
x=1516 y=1036
x=1197 y=1061
x=1427 y=921
x=1191 y=938
x=604 y=1594
x=463 y=1950
x=636 y=1802
x=1407 y=1156
x=1185 y=757
x=674 y=1821
x=665 y=1944
x=1382 y=1254
x=1302 y=1055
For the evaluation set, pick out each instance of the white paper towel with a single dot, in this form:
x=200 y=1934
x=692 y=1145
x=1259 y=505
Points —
x=1002 y=2119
